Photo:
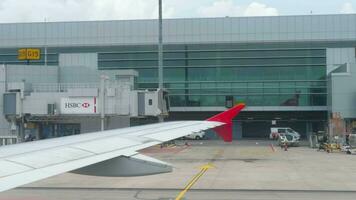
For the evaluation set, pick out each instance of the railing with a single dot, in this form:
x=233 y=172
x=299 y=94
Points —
x=243 y=87
x=8 y=139
x=253 y=92
x=63 y=87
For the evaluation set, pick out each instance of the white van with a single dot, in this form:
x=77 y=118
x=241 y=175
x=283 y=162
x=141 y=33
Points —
x=277 y=131
x=196 y=136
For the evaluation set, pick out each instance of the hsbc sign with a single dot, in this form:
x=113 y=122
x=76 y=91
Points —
x=79 y=105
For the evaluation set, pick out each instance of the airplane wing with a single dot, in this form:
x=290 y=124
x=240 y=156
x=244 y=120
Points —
x=105 y=153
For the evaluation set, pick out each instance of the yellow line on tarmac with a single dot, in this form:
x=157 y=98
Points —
x=195 y=179
x=191 y=183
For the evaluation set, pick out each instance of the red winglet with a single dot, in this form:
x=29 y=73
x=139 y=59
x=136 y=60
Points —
x=225 y=131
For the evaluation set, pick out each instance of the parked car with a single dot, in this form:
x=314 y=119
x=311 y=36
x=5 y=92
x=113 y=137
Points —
x=277 y=131
x=196 y=136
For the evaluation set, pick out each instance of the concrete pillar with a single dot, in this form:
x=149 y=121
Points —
x=236 y=130
x=307 y=129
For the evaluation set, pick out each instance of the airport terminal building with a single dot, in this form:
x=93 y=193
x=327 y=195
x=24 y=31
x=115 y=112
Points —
x=290 y=71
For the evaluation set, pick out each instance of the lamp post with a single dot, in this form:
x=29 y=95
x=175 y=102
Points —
x=160 y=53
x=160 y=46
x=103 y=79
x=45 y=43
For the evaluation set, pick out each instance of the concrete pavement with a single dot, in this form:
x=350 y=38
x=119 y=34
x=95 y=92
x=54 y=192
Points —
x=241 y=165
x=168 y=194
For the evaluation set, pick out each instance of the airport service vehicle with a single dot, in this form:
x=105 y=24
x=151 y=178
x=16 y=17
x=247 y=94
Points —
x=277 y=131
x=196 y=136
x=348 y=150
x=105 y=153
x=289 y=139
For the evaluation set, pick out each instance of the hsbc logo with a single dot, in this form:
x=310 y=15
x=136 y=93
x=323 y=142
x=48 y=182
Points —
x=77 y=105
x=72 y=105
x=85 y=105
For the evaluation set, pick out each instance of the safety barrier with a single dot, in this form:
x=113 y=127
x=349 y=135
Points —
x=8 y=139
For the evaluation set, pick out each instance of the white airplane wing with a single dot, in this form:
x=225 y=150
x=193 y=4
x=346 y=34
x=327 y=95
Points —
x=106 y=153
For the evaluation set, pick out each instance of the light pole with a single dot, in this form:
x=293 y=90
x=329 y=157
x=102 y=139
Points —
x=45 y=43
x=103 y=79
x=160 y=53
x=160 y=46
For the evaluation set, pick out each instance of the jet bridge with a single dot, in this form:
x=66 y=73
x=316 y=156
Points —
x=45 y=110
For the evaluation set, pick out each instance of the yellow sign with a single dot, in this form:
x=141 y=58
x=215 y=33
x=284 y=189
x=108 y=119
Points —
x=22 y=54
x=29 y=54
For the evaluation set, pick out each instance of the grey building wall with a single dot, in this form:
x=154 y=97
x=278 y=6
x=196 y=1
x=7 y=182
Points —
x=342 y=81
x=36 y=103
x=343 y=92
x=32 y=73
x=4 y=125
x=338 y=56
x=78 y=67
x=201 y=30
x=93 y=124
x=89 y=60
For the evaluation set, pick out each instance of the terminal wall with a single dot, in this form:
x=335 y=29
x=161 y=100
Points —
x=344 y=93
x=4 y=125
x=31 y=73
x=195 y=30
x=88 y=125
x=342 y=81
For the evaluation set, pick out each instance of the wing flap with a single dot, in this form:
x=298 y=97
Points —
x=106 y=144
x=124 y=166
x=8 y=168
x=130 y=132
x=50 y=157
x=44 y=159
x=25 y=177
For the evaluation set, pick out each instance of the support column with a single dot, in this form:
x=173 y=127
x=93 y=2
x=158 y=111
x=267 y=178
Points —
x=103 y=78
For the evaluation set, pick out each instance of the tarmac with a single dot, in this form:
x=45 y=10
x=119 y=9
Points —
x=247 y=169
x=167 y=194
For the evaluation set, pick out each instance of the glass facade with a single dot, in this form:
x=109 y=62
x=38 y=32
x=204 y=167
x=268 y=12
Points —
x=258 y=74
